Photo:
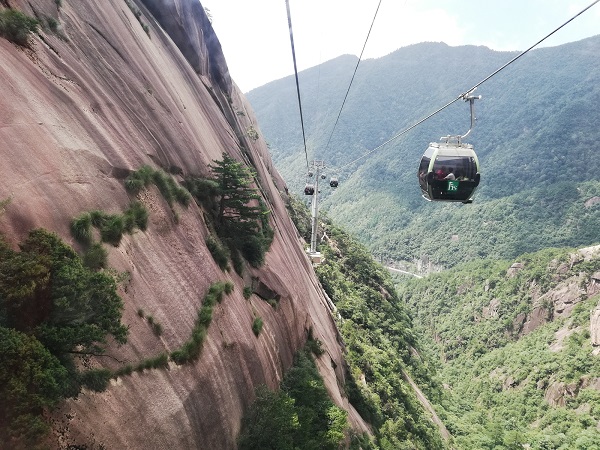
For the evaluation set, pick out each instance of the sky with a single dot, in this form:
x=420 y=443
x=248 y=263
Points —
x=255 y=38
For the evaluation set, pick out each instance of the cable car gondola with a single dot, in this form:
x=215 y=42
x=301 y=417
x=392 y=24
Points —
x=333 y=182
x=449 y=170
x=309 y=189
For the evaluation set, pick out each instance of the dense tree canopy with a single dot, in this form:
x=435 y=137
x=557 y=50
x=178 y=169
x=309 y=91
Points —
x=51 y=307
x=499 y=381
x=298 y=416
x=31 y=379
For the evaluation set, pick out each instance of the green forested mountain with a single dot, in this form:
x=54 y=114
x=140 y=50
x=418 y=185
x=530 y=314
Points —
x=536 y=137
x=512 y=341
x=503 y=349
x=506 y=330
x=382 y=351
x=382 y=360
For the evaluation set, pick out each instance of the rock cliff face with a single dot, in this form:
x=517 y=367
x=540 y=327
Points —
x=560 y=301
x=123 y=84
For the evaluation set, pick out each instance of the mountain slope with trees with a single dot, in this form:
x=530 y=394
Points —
x=535 y=136
x=382 y=349
x=135 y=160
x=515 y=348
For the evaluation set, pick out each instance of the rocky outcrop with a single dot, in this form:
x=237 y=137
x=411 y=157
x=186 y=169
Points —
x=491 y=311
x=260 y=288
x=586 y=254
x=526 y=323
x=595 y=326
x=514 y=269
x=558 y=393
x=78 y=113
x=591 y=202
x=565 y=296
x=190 y=29
x=593 y=287
x=556 y=303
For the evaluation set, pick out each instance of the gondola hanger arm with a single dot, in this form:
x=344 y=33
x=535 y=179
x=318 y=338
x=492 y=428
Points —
x=471 y=99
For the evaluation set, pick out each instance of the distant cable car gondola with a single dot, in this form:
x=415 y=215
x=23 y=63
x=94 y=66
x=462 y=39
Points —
x=309 y=189
x=449 y=170
x=333 y=182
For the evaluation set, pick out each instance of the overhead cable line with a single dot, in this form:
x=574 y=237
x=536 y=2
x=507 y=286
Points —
x=353 y=75
x=404 y=132
x=289 y=17
x=464 y=95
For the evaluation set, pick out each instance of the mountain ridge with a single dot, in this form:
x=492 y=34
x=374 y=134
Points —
x=534 y=133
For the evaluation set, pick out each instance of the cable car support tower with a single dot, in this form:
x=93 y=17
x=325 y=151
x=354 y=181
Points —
x=317 y=172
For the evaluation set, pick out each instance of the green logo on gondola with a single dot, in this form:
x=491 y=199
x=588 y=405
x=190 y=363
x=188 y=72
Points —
x=452 y=186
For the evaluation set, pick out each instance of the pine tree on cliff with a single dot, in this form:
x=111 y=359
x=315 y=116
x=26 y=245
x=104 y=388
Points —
x=242 y=218
x=238 y=205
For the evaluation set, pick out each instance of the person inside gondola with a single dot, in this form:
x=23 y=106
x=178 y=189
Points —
x=450 y=175
x=440 y=174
